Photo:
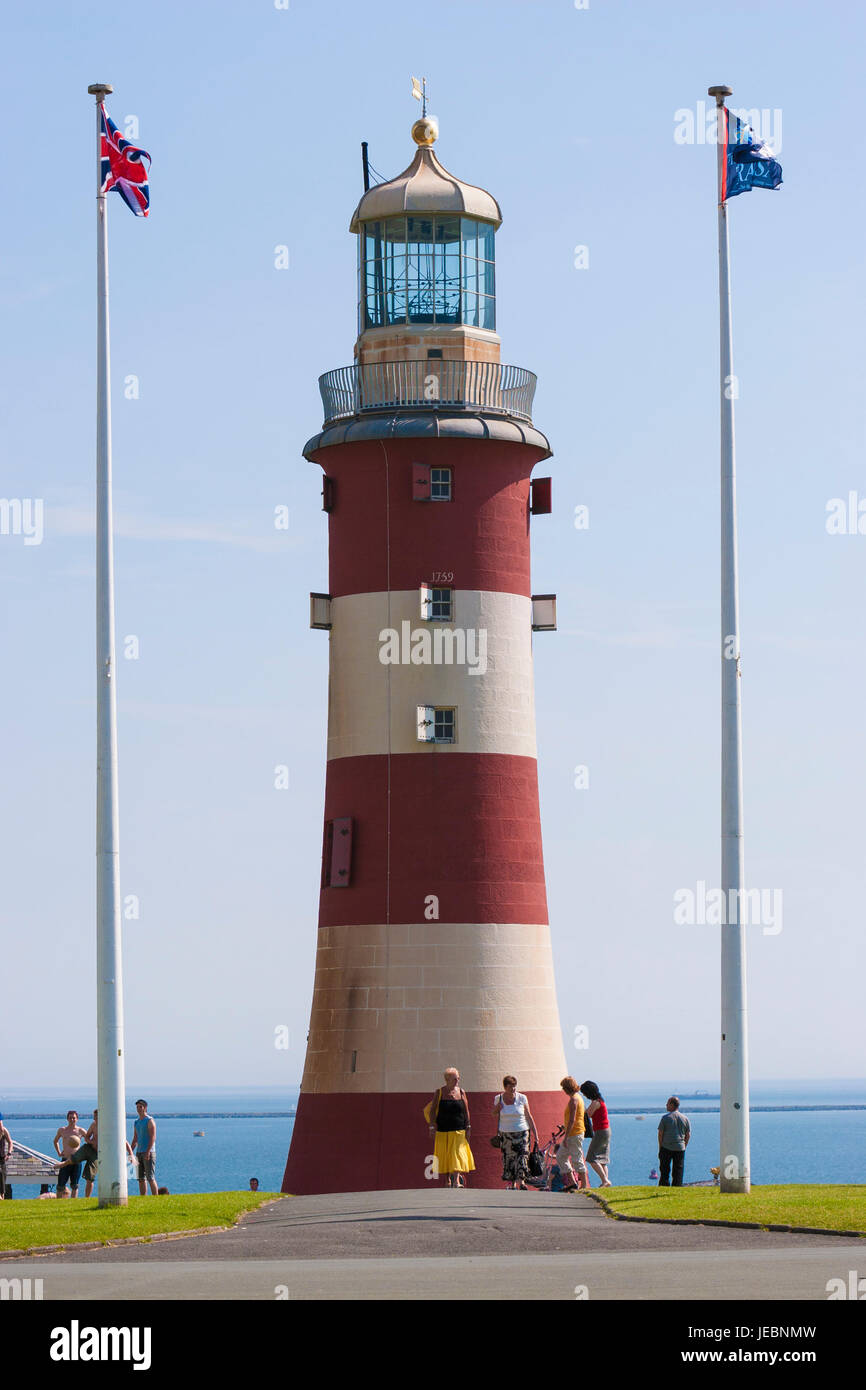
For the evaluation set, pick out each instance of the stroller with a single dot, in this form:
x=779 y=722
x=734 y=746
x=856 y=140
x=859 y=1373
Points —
x=551 y=1179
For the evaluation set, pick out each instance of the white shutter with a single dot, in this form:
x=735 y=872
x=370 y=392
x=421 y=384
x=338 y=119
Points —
x=426 y=723
x=426 y=603
x=544 y=612
x=320 y=610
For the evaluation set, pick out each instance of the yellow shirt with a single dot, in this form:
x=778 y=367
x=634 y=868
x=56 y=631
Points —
x=578 y=1126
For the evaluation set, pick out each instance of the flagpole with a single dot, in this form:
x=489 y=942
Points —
x=734 y=1103
x=109 y=979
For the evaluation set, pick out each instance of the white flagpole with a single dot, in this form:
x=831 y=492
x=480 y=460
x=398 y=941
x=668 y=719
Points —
x=734 y=1104
x=109 y=976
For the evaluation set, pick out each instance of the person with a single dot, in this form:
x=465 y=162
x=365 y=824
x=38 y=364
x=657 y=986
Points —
x=144 y=1148
x=450 y=1125
x=571 y=1147
x=87 y=1154
x=5 y=1151
x=674 y=1135
x=254 y=1184
x=514 y=1125
x=163 y=1192
x=67 y=1139
x=598 y=1153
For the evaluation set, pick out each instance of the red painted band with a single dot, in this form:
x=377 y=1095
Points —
x=376 y=1143
x=481 y=537
x=464 y=826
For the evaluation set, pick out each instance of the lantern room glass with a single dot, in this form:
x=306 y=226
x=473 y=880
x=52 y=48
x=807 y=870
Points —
x=436 y=269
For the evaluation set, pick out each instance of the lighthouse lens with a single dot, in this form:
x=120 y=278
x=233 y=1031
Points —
x=436 y=269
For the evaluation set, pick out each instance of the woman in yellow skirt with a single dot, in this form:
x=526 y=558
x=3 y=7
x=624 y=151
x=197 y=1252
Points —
x=449 y=1123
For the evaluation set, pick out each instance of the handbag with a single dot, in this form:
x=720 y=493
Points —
x=587 y=1127
x=428 y=1109
x=535 y=1163
x=496 y=1141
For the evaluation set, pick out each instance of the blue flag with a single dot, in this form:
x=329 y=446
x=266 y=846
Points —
x=748 y=163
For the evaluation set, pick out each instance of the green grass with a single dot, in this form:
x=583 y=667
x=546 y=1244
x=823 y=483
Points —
x=33 y=1222
x=837 y=1208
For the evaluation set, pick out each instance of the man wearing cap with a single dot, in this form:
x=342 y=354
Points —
x=5 y=1151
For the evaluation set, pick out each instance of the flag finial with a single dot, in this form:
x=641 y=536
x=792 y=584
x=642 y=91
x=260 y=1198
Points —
x=719 y=93
x=100 y=90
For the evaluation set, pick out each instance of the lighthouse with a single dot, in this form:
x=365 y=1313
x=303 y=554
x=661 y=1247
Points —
x=433 y=945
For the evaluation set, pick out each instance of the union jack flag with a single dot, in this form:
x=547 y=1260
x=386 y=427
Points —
x=122 y=167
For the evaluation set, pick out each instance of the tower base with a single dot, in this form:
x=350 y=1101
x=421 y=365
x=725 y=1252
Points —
x=380 y=1143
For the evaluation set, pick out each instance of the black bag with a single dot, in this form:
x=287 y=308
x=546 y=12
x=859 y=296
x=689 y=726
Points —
x=535 y=1163
x=496 y=1141
x=587 y=1127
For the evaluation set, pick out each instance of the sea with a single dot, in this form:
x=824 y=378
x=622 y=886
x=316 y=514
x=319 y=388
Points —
x=801 y=1131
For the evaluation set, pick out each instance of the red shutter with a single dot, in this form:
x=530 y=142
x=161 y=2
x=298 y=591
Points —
x=329 y=489
x=541 y=495
x=341 y=853
x=327 y=841
x=420 y=482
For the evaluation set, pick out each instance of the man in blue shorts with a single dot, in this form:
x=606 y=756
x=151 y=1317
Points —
x=88 y=1154
x=66 y=1141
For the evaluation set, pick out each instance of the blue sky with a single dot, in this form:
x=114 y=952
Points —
x=253 y=117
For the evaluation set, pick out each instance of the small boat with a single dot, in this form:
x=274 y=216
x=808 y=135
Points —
x=640 y=1117
x=198 y=1134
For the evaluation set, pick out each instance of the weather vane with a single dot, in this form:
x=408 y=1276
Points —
x=419 y=92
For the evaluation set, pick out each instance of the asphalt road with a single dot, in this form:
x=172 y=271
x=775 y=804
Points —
x=429 y=1244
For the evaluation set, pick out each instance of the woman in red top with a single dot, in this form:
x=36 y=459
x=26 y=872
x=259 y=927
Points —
x=598 y=1153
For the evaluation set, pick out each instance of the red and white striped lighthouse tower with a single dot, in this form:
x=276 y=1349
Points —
x=433 y=943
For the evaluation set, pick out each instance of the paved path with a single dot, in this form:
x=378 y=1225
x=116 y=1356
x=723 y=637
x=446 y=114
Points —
x=428 y=1244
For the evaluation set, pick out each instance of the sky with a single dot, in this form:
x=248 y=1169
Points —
x=253 y=115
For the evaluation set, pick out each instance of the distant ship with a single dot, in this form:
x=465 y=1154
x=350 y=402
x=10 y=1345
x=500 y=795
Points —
x=640 y=1117
x=198 y=1134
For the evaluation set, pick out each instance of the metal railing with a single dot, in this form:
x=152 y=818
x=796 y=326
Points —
x=488 y=387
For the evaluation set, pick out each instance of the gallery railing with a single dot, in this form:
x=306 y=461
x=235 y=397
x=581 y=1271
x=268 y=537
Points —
x=486 y=387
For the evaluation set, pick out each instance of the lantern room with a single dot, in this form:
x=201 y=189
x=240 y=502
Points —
x=426 y=264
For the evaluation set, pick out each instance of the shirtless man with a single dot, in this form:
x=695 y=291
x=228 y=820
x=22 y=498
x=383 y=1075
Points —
x=70 y=1170
x=88 y=1154
x=5 y=1151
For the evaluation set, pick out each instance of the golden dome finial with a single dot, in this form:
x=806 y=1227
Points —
x=425 y=131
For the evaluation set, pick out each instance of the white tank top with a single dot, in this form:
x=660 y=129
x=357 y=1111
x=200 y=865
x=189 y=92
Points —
x=511 y=1117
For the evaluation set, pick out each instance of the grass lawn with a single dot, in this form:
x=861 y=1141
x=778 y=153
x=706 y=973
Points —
x=837 y=1208
x=71 y=1221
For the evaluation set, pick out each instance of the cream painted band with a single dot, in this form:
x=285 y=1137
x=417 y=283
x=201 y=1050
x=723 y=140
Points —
x=394 y=1006
x=495 y=709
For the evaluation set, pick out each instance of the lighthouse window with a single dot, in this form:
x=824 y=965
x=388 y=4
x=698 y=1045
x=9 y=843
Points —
x=441 y=605
x=436 y=725
x=427 y=270
x=437 y=605
x=440 y=484
x=443 y=726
